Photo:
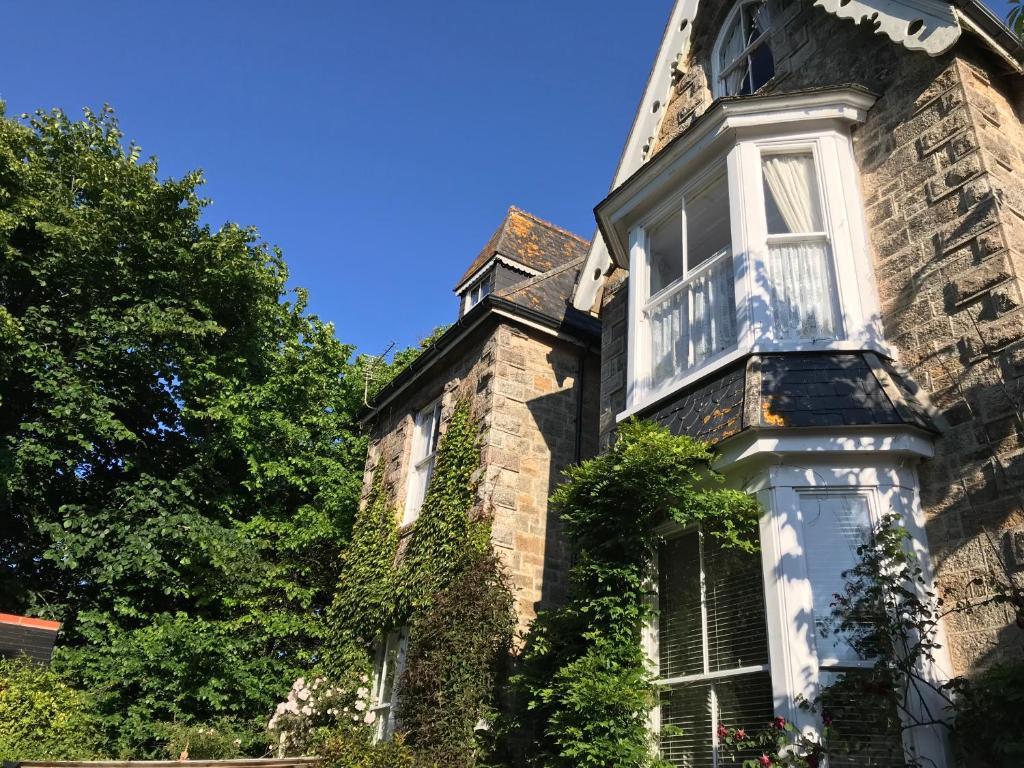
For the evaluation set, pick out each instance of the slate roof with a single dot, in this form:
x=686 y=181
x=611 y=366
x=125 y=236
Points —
x=842 y=389
x=23 y=635
x=530 y=241
x=549 y=293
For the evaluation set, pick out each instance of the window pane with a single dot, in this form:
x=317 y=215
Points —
x=665 y=252
x=835 y=525
x=670 y=344
x=708 y=231
x=688 y=708
x=762 y=66
x=867 y=729
x=679 y=618
x=803 y=291
x=791 y=196
x=714 y=311
x=737 y=632
x=745 y=702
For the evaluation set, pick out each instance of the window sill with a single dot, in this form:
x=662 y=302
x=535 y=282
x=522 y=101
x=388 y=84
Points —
x=648 y=400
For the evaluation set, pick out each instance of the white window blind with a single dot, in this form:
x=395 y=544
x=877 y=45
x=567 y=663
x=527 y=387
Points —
x=745 y=60
x=835 y=526
x=804 y=299
x=426 y=431
x=691 y=306
x=713 y=647
x=388 y=665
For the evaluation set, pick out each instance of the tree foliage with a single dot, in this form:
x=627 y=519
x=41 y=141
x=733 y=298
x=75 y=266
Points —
x=43 y=718
x=179 y=453
x=585 y=681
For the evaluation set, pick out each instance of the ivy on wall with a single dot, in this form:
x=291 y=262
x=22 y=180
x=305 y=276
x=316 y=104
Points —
x=585 y=686
x=447 y=586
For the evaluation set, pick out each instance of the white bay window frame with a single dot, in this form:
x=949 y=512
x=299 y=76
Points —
x=693 y=279
x=740 y=134
x=800 y=661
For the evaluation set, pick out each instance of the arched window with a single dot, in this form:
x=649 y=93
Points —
x=742 y=58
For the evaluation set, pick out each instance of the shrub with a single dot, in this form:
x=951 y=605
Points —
x=222 y=738
x=354 y=748
x=989 y=723
x=42 y=717
x=458 y=648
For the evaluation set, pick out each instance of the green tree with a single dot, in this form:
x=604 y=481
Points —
x=43 y=718
x=1015 y=18
x=179 y=454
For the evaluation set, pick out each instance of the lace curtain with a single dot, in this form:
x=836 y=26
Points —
x=802 y=283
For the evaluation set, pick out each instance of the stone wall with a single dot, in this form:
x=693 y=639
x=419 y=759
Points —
x=524 y=388
x=942 y=179
x=941 y=158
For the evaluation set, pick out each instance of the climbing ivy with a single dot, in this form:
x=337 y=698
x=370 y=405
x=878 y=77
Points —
x=585 y=686
x=447 y=586
x=364 y=604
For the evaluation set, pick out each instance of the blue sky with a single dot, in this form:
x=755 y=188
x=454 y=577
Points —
x=378 y=144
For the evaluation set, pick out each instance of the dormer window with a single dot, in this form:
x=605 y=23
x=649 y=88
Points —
x=478 y=290
x=742 y=58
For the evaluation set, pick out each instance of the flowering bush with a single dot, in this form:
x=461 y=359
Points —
x=781 y=744
x=313 y=709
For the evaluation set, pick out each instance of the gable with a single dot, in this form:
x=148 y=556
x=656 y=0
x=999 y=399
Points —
x=929 y=27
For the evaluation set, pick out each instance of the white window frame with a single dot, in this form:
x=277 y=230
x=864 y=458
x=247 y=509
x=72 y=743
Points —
x=856 y=303
x=796 y=660
x=718 y=73
x=476 y=292
x=651 y=641
x=713 y=174
x=396 y=642
x=425 y=439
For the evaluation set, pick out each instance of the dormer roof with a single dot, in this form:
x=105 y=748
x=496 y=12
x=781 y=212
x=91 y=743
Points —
x=526 y=241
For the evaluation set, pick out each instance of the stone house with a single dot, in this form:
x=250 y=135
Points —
x=528 y=363
x=809 y=258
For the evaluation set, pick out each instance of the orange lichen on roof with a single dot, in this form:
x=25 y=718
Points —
x=769 y=418
x=529 y=241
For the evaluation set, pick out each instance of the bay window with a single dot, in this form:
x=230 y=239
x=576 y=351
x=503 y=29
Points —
x=749 y=239
x=691 y=306
x=712 y=647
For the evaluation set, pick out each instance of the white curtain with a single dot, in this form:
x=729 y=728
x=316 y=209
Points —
x=670 y=342
x=714 y=311
x=802 y=291
x=802 y=283
x=791 y=181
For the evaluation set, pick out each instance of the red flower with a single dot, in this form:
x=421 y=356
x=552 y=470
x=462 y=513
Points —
x=780 y=723
x=741 y=734
x=764 y=760
x=826 y=719
x=723 y=732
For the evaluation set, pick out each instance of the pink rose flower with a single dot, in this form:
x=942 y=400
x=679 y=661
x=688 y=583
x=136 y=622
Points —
x=764 y=760
x=723 y=732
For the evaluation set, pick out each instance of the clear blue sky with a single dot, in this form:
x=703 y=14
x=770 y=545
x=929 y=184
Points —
x=377 y=143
